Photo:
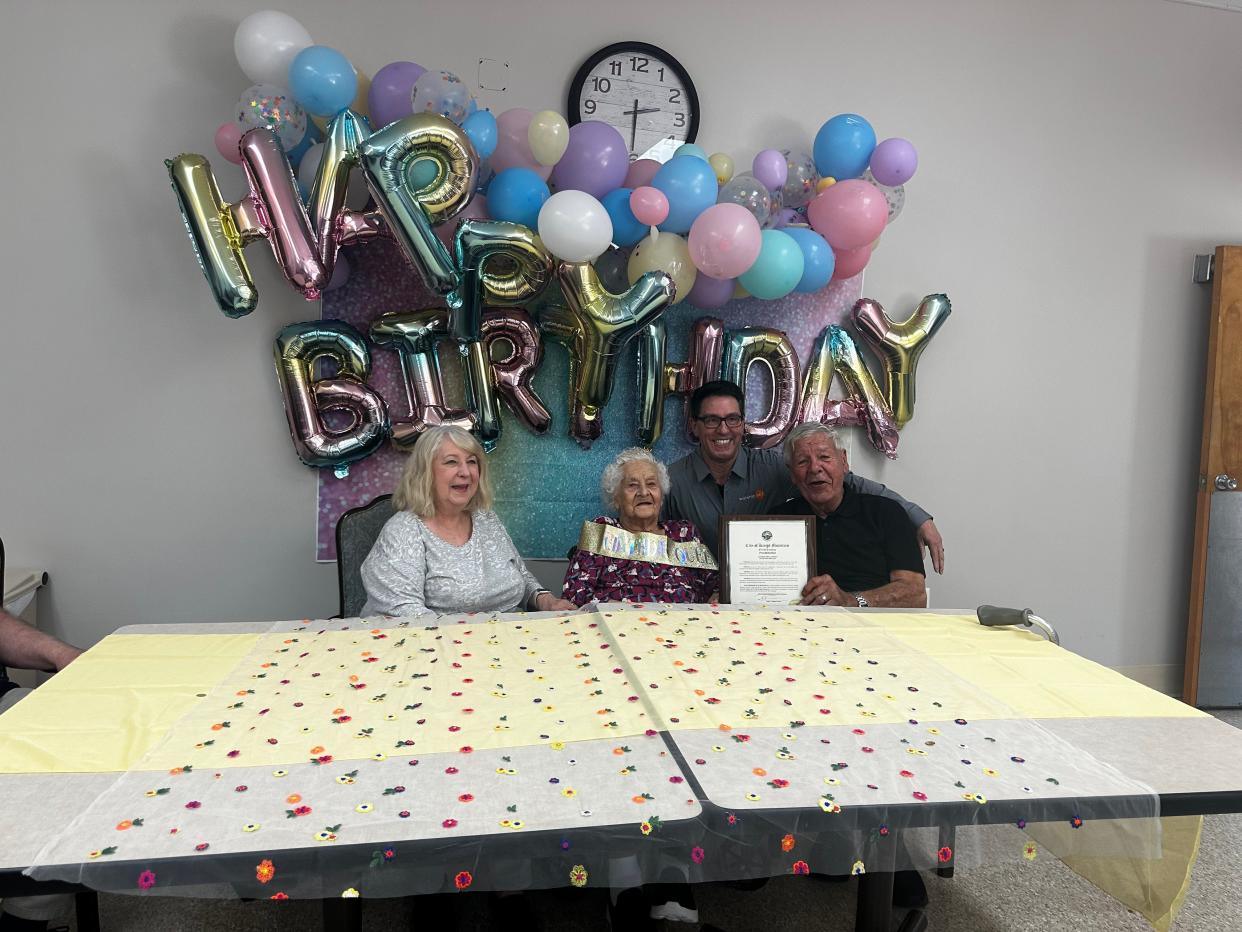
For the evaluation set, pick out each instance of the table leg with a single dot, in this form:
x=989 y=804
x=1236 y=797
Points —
x=86 y=908
x=342 y=914
x=875 y=902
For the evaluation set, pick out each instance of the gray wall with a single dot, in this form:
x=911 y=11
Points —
x=1074 y=157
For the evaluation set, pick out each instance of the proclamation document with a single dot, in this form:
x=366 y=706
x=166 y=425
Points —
x=766 y=558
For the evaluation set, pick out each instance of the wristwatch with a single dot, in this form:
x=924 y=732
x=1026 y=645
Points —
x=862 y=603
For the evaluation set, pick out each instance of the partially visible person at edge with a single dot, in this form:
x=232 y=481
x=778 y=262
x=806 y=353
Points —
x=725 y=477
x=865 y=550
x=23 y=647
x=636 y=557
x=445 y=550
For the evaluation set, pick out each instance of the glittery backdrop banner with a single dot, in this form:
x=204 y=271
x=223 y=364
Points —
x=545 y=486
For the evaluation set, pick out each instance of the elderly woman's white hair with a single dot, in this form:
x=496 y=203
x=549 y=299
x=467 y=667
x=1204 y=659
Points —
x=614 y=471
x=809 y=429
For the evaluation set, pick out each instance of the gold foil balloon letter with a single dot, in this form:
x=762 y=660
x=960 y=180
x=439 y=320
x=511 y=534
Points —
x=899 y=345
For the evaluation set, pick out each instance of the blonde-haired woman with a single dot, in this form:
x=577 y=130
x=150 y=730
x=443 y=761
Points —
x=445 y=550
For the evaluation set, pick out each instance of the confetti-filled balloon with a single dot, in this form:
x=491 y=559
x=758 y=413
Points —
x=265 y=106
x=800 y=180
x=442 y=92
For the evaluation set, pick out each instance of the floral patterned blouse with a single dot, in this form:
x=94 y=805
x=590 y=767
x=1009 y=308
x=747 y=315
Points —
x=592 y=576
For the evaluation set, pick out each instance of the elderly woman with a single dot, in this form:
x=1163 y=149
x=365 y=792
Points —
x=445 y=550
x=636 y=557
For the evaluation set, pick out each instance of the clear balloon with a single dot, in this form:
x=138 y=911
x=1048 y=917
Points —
x=595 y=161
x=443 y=93
x=548 y=136
x=668 y=253
x=266 y=42
x=392 y=91
x=777 y=270
x=574 y=226
x=899 y=344
x=750 y=193
x=725 y=240
x=322 y=80
x=801 y=178
x=895 y=197
x=266 y=106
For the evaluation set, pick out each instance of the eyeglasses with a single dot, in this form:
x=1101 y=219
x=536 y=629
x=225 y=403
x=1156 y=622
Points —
x=712 y=421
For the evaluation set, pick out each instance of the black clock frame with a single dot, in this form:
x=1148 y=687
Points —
x=644 y=48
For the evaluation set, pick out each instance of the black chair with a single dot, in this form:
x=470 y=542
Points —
x=356 y=531
x=5 y=683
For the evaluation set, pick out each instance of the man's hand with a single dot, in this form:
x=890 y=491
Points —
x=930 y=538
x=823 y=590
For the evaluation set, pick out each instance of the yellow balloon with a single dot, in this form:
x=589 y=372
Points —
x=739 y=292
x=548 y=136
x=722 y=165
x=666 y=252
x=825 y=183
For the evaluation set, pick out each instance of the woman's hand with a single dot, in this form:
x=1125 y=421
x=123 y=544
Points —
x=547 y=602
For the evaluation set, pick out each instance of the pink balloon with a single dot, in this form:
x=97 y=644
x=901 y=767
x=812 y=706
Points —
x=649 y=205
x=725 y=240
x=849 y=262
x=475 y=210
x=227 y=138
x=849 y=214
x=513 y=144
x=640 y=174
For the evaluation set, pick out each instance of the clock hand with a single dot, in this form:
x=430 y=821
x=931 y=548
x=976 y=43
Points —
x=634 y=125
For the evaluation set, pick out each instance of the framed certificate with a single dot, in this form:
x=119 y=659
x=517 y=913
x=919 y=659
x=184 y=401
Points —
x=765 y=558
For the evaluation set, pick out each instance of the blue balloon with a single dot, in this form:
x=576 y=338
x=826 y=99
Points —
x=777 y=270
x=626 y=230
x=480 y=126
x=689 y=148
x=843 y=147
x=516 y=194
x=818 y=260
x=690 y=186
x=322 y=80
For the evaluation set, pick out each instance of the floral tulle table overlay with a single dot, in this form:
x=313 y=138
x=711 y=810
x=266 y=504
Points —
x=518 y=748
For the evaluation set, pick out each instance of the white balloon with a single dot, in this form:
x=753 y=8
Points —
x=574 y=226
x=266 y=42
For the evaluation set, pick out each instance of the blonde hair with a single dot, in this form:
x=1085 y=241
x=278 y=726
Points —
x=415 y=490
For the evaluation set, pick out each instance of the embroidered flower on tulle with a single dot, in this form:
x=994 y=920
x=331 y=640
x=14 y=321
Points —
x=264 y=871
x=578 y=875
x=787 y=843
x=1029 y=851
x=463 y=879
x=801 y=868
x=858 y=868
x=697 y=855
x=945 y=854
x=146 y=880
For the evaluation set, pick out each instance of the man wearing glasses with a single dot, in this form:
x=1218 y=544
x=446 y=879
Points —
x=725 y=477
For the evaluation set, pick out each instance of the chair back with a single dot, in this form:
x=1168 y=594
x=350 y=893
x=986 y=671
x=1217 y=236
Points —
x=356 y=532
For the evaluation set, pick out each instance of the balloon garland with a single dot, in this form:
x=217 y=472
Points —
x=521 y=224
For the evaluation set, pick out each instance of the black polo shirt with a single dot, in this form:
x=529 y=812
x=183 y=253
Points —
x=864 y=540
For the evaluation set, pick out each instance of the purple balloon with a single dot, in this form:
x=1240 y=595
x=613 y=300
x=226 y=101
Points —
x=596 y=160
x=771 y=169
x=709 y=293
x=893 y=162
x=389 y=97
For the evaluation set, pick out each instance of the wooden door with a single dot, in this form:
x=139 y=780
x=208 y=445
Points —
x=1214 y=629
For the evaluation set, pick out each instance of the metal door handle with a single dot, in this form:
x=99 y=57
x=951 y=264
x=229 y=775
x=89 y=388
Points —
x=1226 y=483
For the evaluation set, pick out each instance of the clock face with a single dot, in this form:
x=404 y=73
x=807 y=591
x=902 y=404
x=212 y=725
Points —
x=643 y=92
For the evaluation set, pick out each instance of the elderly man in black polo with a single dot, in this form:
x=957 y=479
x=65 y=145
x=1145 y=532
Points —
x=866 y=549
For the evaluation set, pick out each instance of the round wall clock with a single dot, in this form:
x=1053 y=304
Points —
x=641 y=90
